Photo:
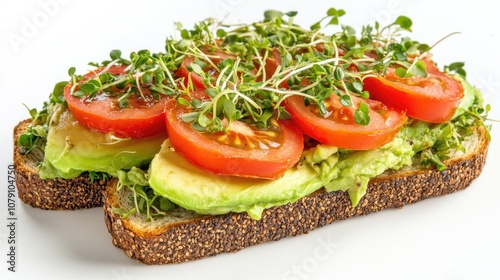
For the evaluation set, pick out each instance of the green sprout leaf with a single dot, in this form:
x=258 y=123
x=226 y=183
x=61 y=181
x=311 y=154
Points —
x=196 y=68
x=183 y=102
x=71 y=71
x=147 y=78
x=404 y=22
x=212 y=92
x=203 y=120
x=58 y=93
x=332 y=12
x=338 y=73
x=345 y=100
x=221 y=33
x=418 y=69
x=364 y=108
x=357 y=87
x=90 y=87
x=79 y=94
x=321 y=106
x=270 y=15
x=115 y=54
x=402 y=73
x=456 y=67
x=316 y=26
x=361 y=116
x=229 y=109
x=190 y=117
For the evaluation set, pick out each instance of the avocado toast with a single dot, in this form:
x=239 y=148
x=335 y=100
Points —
x=158 y=196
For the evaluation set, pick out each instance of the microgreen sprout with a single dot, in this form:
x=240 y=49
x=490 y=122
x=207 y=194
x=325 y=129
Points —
x=145 y=75
x=311 y=65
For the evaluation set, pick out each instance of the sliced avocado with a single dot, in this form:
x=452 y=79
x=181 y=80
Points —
x=72 y=149
x=192 y=188
x=173 y=177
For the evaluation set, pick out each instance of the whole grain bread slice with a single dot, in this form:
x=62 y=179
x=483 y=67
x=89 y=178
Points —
x=52 y=194
x=184 y=235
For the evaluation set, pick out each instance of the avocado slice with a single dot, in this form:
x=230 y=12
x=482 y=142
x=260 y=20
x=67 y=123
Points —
x=173 y=177
x=192 y=188
x=72 y=149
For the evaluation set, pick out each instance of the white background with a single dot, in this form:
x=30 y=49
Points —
x=451 y=237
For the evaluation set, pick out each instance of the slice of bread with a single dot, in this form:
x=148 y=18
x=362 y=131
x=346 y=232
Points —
x=52 y=194
x=184 y=235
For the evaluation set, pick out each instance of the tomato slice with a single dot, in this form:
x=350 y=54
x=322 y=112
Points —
x=144 y=117
x=339 y=127
x=433 y=98
x=190 y=76
x=244 y=151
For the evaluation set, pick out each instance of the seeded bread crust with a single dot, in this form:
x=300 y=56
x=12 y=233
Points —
x=52 y=194
x=190 y=236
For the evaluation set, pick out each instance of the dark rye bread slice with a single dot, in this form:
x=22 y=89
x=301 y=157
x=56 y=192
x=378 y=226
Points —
x=52 y=194
x=185 y=236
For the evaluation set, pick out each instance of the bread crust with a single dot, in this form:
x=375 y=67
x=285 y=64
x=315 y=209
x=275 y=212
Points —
x=211 y=235
x=52 y=194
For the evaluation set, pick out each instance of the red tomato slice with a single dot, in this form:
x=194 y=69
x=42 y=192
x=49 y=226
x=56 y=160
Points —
x=339 y=128
x=190 y=76
x=433 y=98
x=142 y=118
x=245 y=151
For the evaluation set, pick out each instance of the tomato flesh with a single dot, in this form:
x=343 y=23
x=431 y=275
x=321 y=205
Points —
x=245 y=151
x=144 y=117
x=248 y=137
x=433 y=98
x=339 y=128
x=195 y=79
